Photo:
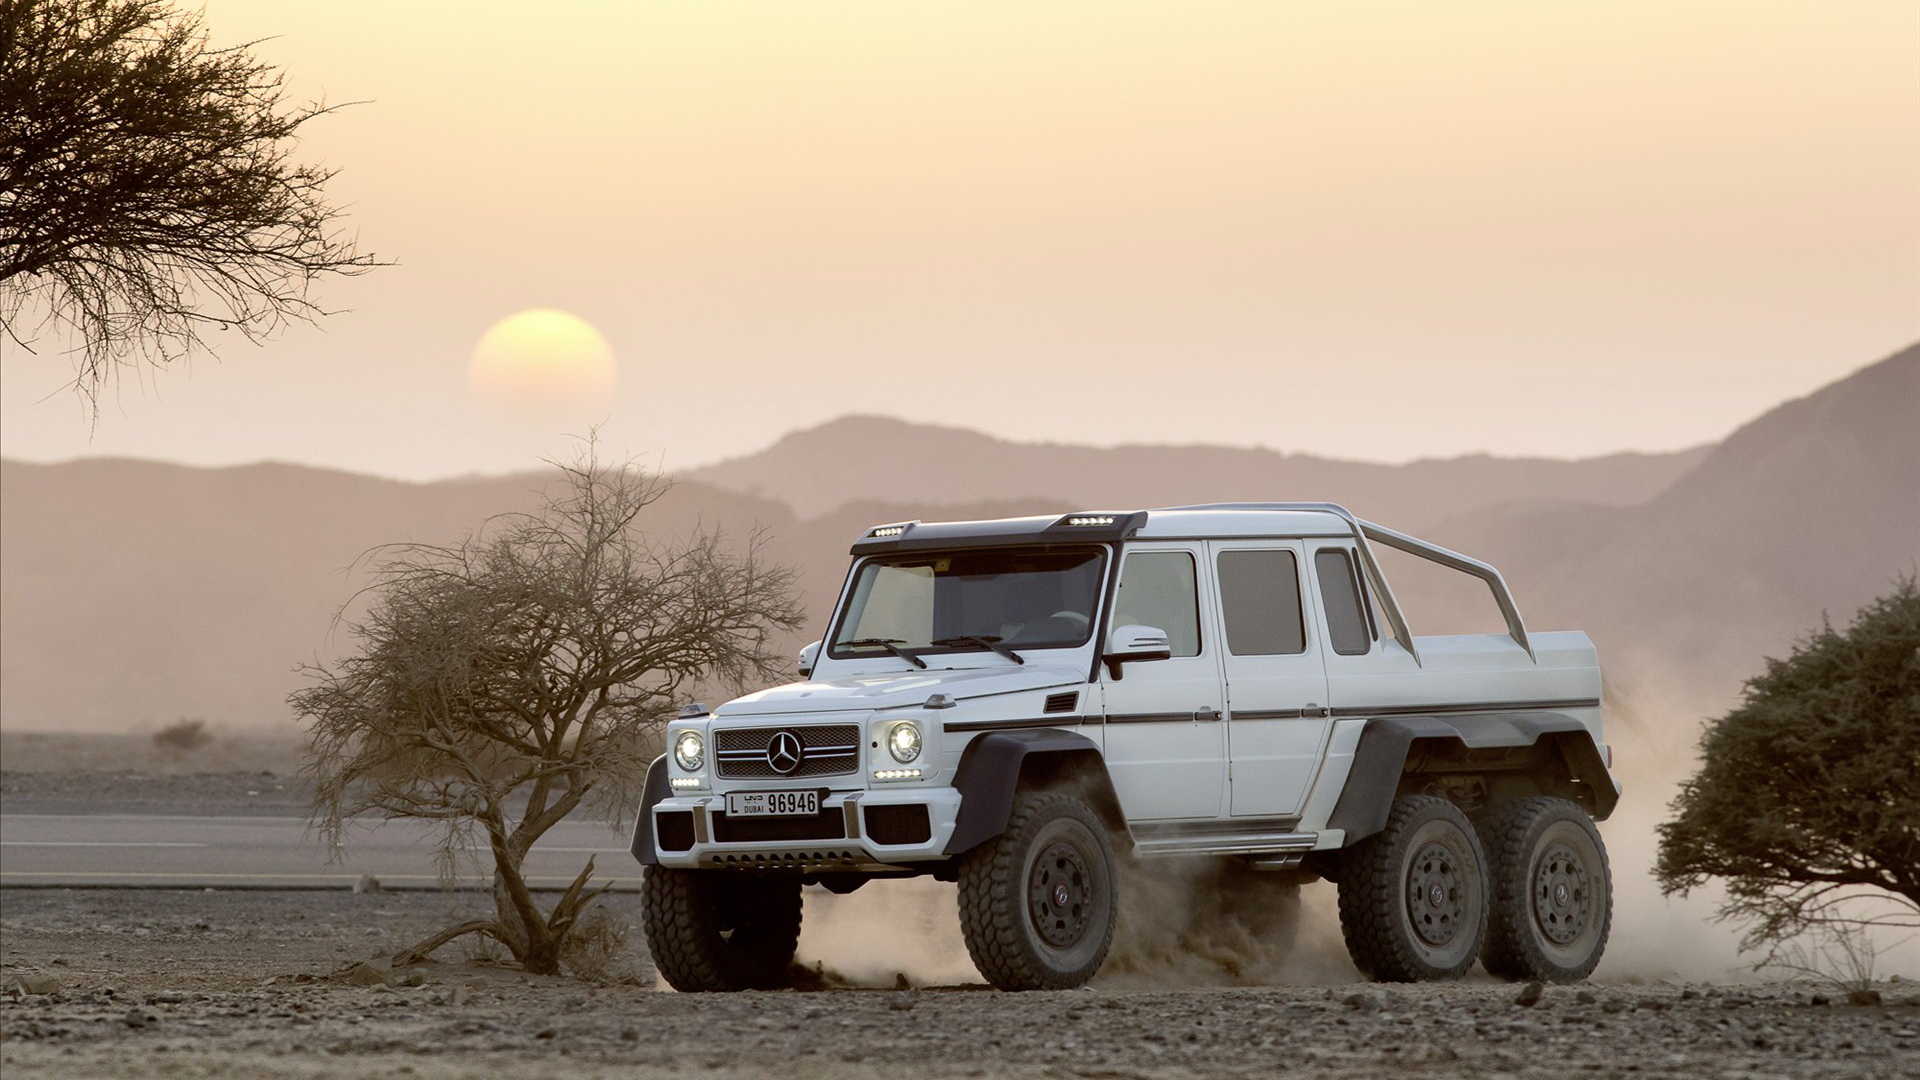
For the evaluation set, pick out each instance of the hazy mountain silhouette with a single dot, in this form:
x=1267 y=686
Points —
x=133 y=592
x=869 y=457
x=1811 y=509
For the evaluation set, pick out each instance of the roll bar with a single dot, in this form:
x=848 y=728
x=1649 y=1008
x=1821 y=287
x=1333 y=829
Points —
x=1364 y=531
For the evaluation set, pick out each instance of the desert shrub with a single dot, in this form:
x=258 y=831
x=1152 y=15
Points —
x=183 y=736
x=600 y=949
x=1806 y=804
x=1842 y=955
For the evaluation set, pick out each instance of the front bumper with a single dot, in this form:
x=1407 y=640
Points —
x=841 y=838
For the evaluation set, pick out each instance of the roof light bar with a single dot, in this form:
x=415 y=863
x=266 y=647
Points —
x=888 y=530
x=1091 y=519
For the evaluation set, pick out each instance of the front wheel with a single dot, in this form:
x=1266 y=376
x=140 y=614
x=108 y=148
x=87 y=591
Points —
x=1552 y=891
x=718 y=930
x=1413 y=897
x=1037 y=902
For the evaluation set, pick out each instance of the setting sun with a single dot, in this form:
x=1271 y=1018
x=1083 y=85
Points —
x=542 y=356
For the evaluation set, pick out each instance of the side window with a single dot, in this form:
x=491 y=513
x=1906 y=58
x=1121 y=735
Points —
x=1157 y=589
x=1260 y=597
x=1340 y=599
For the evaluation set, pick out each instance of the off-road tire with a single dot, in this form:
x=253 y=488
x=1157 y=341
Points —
x=1552 y=891
x=713 y=930
x=1428 y=844
x=1018 y=936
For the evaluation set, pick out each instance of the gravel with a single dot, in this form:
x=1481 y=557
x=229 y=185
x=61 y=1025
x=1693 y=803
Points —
x=205 y=984
x=214 y=794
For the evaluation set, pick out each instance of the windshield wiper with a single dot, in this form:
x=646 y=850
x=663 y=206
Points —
x=891 y=644
x=985 y=641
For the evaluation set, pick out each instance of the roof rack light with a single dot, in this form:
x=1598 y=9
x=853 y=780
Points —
x=1090 y=519
x=886 y=531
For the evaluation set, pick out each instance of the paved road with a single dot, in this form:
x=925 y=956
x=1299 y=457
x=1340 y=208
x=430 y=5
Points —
x=230 y=852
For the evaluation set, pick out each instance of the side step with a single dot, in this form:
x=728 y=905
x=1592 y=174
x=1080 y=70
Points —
x=1275 y=844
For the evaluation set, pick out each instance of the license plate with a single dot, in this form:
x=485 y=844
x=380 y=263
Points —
x=772 y=803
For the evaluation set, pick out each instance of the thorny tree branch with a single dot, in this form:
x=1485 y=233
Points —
x=148 y=193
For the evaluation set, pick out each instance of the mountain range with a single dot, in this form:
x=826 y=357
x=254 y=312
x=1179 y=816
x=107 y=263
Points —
x=134 y=592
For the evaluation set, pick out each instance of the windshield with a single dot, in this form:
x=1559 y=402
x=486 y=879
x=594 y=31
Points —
x=1021 y=599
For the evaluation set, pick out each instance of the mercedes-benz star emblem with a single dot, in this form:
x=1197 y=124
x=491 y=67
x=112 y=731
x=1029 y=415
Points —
x=784 y=753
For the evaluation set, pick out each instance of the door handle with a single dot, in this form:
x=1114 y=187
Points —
x=1206 y=712
x=1310 y=709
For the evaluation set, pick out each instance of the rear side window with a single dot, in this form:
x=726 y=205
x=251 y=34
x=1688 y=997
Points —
x=1260 y=597
x=1157 y=589
x=1340 y=598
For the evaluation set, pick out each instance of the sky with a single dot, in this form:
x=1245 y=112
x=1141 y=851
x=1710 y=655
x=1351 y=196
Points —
x=1382 y=230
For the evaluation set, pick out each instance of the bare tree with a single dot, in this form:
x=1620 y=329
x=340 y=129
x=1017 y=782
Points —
x=147 y=189
x=537 y=661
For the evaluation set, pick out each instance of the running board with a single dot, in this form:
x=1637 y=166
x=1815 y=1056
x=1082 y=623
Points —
x=1227 y=844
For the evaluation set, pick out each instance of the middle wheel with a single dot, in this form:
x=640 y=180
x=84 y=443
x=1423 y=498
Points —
x=1413 y=897
x=1037 y=902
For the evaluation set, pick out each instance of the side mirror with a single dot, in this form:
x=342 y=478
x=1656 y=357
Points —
x=1135 y=643
x=808 y=655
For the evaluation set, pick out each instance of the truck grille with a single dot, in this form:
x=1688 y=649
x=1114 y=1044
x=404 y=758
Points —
x=825 y=750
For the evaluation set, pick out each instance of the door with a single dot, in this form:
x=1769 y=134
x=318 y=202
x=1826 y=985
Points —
x=1164 y=744
x=1277 y=719
x=1365 y=665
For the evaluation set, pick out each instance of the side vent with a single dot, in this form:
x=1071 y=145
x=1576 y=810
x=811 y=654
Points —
x=1059 y=703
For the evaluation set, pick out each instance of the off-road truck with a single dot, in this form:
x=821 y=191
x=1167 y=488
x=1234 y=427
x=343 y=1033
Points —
x=1030 y=707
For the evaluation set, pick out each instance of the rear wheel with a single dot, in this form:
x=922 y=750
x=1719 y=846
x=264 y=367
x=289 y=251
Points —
x=1037 y=902
x=1413 y=897
x=714 y=930
x=1552 y=891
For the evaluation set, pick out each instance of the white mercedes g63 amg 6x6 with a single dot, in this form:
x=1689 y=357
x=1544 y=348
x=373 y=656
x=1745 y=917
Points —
x=1027 y=706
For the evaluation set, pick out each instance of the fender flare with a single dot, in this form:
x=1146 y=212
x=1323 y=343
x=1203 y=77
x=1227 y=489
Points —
x=1380 y=759
x=989 y=774
x=650 y=796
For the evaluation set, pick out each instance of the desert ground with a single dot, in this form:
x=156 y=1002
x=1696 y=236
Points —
x=214 y=984
x=229 y=983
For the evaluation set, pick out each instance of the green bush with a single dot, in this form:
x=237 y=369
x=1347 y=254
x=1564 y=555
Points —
x=1807 y=801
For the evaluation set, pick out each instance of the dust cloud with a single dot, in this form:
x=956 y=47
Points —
x=884 y=930
x=1204 y=922
x=1182 y=923
x=1211 y=922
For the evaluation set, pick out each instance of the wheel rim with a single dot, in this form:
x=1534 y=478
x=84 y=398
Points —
x=1436 y=894
x=1562 y=894
x=1060 y=894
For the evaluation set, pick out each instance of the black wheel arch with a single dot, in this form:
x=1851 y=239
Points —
x=650 y=796
x=997 y=764
x=1542 y=753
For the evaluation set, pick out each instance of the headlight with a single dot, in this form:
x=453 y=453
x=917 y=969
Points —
x=903 y=741
x=690 y=750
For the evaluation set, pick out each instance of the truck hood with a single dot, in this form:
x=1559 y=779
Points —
x=893 y=690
